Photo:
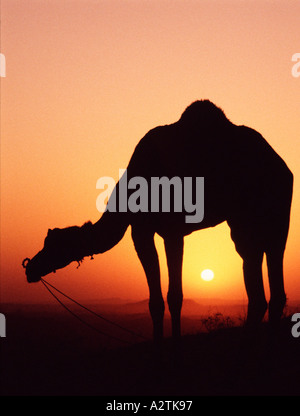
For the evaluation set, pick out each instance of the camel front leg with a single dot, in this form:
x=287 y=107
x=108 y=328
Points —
x=146 y=251
x=174 y=253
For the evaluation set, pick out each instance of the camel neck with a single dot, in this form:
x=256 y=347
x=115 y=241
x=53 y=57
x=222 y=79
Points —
x=105 y=233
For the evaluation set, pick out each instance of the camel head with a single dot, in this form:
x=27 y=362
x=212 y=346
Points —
x=61 y=247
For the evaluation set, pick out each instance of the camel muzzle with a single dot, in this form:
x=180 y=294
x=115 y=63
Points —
x=37 y=267
x=31 y=274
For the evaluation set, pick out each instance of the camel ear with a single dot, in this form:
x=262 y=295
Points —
x=49 y=232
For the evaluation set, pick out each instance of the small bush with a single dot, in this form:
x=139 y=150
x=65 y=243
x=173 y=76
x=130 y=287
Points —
x=217 y=321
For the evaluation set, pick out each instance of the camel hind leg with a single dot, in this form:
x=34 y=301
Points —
x=253 y=278
x=276 y=282
x=277 y=228
x=248 y=245
x=275 y=247
x=251 y=243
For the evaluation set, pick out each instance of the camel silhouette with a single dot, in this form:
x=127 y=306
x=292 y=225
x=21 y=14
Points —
x=245 y=183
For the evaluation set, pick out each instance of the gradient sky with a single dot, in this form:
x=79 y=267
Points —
x=86 y=79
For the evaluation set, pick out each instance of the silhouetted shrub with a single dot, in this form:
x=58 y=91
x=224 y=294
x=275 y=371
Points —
x=217 y=321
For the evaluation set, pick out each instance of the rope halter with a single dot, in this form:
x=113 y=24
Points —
x=25 y=262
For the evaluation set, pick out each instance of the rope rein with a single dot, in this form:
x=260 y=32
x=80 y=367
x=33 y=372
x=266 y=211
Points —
x=47 y=284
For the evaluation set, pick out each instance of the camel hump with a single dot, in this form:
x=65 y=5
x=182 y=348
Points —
x=204 y=112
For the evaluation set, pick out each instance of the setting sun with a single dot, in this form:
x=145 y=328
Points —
x=207 y=275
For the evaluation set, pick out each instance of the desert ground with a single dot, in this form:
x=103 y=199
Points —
x=48 y=352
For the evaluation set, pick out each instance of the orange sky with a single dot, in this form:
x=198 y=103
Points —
x=86 y=79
